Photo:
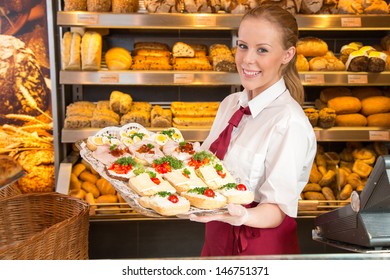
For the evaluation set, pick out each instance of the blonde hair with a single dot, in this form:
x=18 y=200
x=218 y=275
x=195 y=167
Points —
x=287 y=23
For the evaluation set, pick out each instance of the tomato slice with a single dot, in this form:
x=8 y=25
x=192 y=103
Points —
x=241 y=187
x=209 y=193
x=173 y=198
x=155 y=180
x=221 y=174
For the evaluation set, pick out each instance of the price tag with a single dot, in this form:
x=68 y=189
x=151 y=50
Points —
x=205 y=20
x=183 y=78
x=88 y=18
x=351 y=22
x=357 y=79
x=109 y=78
x=379 y=135
x=314 y=78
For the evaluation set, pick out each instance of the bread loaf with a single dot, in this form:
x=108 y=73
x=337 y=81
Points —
x=302 y=63
x=331 y=92
x=312 y=46
x=347 y=49
x=375 y=105
x=120 y=102
x=380 y=120
x=181 y=49
x=328 y=62
x=124 y=6
x=198 y=63
x=141 y=117
x=351 y=120
x=151 y=45
x=71 y=51
x=160 y=117
x=188 y=122
x=118 y=58
x=376 y=61
x=345 y=104
x=91 y=50
x=75 y=5
x=364 y=92
x=99 y=6
x=151 y=52
x=224 y=63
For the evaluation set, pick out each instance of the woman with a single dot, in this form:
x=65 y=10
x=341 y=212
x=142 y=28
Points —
x=271 y=150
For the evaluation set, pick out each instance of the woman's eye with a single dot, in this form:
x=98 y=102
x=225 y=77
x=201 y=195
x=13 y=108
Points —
x=262 y=50
x=241 y=46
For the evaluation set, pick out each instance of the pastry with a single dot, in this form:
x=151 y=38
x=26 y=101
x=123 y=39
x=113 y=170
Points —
x=326 y=118
x=312 y=115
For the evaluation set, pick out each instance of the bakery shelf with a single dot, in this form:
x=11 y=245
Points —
x=213 y=78
x=204 y=21
x=333 y=134
x=167 y=78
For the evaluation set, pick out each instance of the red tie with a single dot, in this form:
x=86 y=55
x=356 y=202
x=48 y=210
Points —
x=220 y=146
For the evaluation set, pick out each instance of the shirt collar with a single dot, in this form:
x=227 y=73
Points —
x=261 y=101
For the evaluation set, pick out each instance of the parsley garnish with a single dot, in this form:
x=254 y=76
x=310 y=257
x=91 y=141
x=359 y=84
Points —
x=198 y=190
x=126 y=161
x=173 y=162
x=218 y=167
x=202 y=155
x=168 y=132
x=138 y=134
x=229 y=186
x=163 y=194
x=186 y=171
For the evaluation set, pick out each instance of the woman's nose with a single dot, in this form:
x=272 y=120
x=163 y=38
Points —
x=250 y=56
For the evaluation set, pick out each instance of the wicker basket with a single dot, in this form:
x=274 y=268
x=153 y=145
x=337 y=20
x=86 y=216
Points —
x=43 y=226
x=9 y=190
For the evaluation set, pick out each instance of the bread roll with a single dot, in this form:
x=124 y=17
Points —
x=120 y=102
x=99 y=6
x=312 y=46
x=160 y=117
x=354 y=120
x=75 y=5
x=124 y=6
x=91 y=51
x=71 y=51
x=380 y=120
x=375 y=105
x=345 y=104
x=118 y=58
x=302 y=63
x=327 y=62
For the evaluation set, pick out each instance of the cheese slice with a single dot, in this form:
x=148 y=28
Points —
x=143 y=185
x=212 y=178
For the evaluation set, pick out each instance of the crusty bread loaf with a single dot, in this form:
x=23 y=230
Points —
x=224 y=63
x=91 y=51
x=328 y=62
x=160 y=117
x=151 y=45
x=151 y=52
x=161 y=204
x=141 y=117
x=380 y=120
x=197 y=63
x=181 y=49
x=345 y=104
x=103 y=121
x=150 y=62
x=100 y=6
x=331 y=92
x=71 y=51
x=347 y=49
x=364 y=92
x=188 y=122
x=118 y=58
x=75 y=5
x=77 y=122
x=311 y=46
x=124 y=6
x=375 y=105
x=302 y=63
x=355 y=119
x=120 y=102
x=219 y=50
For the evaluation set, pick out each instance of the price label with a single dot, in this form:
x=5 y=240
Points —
x=109 y=78
x=357 y=79
x=183 y=78
x=314 y=79
x=205 y=20
x=88 y=18
x=351 y=22
x=379 y=135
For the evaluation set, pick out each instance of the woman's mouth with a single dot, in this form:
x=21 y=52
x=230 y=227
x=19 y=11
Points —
x=250 y=74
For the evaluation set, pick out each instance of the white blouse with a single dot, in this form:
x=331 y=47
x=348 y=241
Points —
x=272 y=150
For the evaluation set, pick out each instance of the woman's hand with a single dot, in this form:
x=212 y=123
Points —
x=237 y=215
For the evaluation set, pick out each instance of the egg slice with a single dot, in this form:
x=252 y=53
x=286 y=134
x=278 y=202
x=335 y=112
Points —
x=97 y=140
x=110 y=140
x=161 y=139
x=177 y=136
x=127 y=141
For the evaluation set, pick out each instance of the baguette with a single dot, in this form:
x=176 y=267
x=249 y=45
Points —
x=205 y=198
x=165 y=203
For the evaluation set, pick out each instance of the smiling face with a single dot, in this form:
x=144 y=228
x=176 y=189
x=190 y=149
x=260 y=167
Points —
x=260 y=54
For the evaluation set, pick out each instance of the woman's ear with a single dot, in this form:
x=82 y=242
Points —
x=289 y=54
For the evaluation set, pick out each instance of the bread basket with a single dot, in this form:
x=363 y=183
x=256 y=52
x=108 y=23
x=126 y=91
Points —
x=43 y=226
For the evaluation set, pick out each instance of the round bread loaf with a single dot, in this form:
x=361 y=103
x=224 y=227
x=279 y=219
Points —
x=311 y=46
x=375 y=105
x=345 y=104
x=118 y=58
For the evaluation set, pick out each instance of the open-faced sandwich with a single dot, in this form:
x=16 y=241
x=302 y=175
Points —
x=166 y=203
x=205 y=198
x=146 y=151
x=184 y=179
x=166 y=164
x=149 y=183
x=236 y=193
x=123 y=168
x=181 y=150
